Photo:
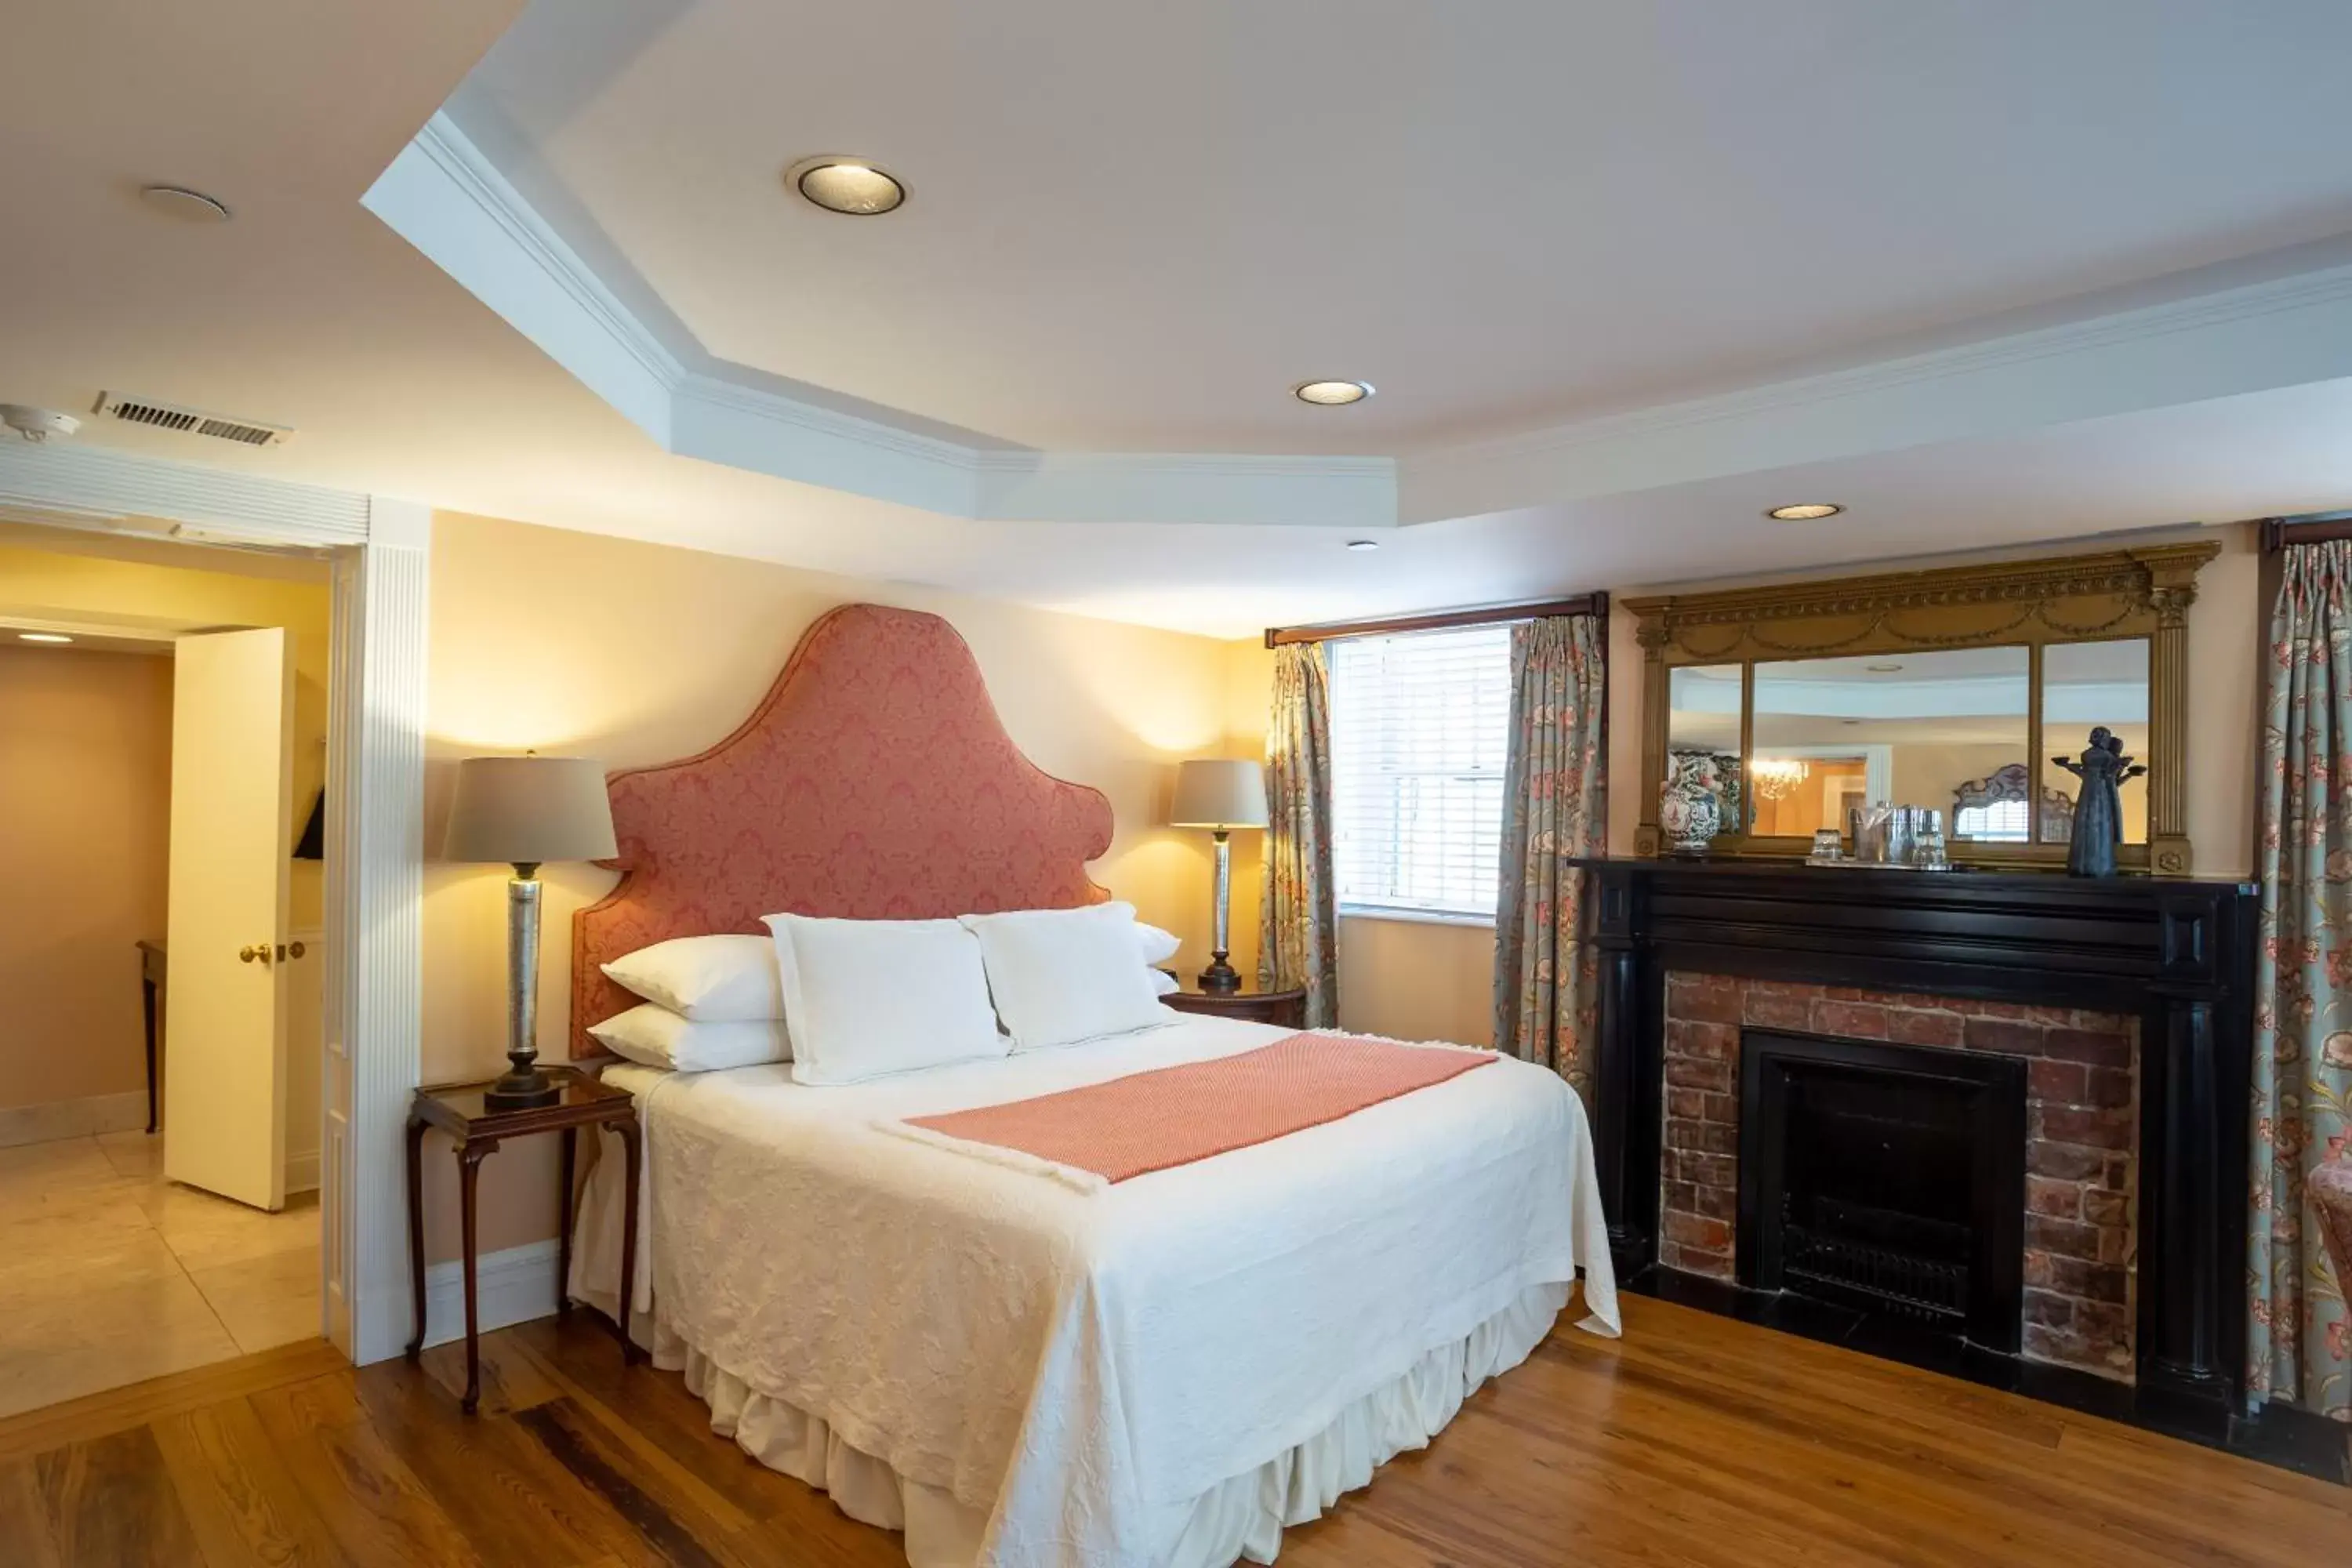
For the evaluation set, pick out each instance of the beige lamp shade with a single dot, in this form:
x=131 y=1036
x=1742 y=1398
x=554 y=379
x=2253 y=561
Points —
x=529 y=811
x=1215 y=792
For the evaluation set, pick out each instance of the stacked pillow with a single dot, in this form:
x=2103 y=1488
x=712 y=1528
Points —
x=1158 y=947
x=1060 y=976
x=711 y=1002
x=844 y=1001
x=865 y=998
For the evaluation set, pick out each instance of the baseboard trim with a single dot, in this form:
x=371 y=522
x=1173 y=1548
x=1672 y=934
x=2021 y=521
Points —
x=57 y=1119
x=510 y=1287
x=301 y=1171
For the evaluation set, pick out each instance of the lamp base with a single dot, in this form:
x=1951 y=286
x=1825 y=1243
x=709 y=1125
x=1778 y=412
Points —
x=1220 y=976
x=525 y=1089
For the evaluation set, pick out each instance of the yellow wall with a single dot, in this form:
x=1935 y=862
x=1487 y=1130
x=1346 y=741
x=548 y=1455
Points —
x=85 y=817
x=146 y=584
x=1417 y=980
x=637 y=653
x=1927 y=774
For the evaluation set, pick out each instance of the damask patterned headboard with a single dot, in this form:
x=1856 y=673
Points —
x=874 y=781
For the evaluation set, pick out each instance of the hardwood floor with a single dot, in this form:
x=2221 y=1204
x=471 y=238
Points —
x=1695 y=1440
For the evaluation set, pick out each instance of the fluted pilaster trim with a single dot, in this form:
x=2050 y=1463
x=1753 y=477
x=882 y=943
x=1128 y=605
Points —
x=375 y=803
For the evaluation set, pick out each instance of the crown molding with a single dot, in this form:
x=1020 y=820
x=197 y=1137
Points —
x=495 y=196
x=720 y=421
x=450 y=200
x=91 y=487
x=2136 y=576
x=2251 y=338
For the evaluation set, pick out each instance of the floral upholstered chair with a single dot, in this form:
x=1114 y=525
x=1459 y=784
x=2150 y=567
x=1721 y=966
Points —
x=2330 y=1190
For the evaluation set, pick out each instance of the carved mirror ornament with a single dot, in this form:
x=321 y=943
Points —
x=1995 y=807
x=1880 y=667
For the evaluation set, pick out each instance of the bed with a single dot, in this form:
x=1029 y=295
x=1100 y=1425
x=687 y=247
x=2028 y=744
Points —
x=1010 y=1369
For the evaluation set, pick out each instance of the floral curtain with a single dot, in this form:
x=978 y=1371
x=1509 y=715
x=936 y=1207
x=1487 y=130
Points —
x=1555 y=806
x=2300 y=1340
x=1298 y=920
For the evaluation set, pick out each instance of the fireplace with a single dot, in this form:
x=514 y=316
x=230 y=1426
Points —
x=2126 y=1002
x=1890 y=1179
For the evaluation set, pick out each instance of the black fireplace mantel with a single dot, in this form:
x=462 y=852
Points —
x=2177 y=954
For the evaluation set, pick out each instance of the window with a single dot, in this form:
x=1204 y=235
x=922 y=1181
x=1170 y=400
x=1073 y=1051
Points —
x=2003 y=819
x=1419 y=735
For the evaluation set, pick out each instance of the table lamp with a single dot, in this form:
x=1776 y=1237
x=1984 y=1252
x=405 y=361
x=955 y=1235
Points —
x=1220 y=794
x=527 y=811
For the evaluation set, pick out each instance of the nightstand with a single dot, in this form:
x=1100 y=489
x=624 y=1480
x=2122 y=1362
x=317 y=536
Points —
x=476 y=1130
x=1285 y=1008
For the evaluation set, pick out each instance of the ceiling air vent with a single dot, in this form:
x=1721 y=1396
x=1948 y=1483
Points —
x=190 y=421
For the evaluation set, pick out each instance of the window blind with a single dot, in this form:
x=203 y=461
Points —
x=1420 y=738
x=2001 y=819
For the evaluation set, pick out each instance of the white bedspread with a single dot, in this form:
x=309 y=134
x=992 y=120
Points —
x=1078 y=1368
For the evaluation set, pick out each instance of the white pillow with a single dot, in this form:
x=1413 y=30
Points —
x=1158 y=946
x=863 y=998
x=1060 y=976
x=709 y=979
x=651 y=1034
x=1163 y=983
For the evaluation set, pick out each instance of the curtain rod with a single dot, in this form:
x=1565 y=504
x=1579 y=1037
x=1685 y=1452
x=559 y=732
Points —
x=2308 y=527
x=1439 y=620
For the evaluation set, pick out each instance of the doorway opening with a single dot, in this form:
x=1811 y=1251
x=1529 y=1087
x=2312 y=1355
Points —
x=162 y=759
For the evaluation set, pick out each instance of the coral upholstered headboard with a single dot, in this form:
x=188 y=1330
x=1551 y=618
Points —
x=873 y=781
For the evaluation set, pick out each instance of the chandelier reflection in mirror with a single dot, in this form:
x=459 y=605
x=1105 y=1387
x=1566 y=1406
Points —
x=1774 y=777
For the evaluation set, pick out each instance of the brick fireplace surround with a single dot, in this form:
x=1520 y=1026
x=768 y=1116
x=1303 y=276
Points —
x=2082 y=1098
x=2129 y=1000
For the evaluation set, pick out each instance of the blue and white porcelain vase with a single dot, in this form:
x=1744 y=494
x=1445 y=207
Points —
x=1690 y=807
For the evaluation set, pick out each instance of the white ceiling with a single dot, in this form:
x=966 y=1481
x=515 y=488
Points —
x=1775 y=201
x=1135 y=227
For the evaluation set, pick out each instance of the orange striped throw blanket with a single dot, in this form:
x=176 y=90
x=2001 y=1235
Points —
x=1173 y=1116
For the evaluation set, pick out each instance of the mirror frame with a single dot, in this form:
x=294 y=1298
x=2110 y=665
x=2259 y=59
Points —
x=2101 y=597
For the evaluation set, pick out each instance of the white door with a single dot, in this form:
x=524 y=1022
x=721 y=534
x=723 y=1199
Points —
x=224 y=1009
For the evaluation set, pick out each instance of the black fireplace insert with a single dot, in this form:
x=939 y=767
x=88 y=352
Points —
x=1887 y=1179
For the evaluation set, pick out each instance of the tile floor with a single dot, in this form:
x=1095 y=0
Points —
x=109 y=1274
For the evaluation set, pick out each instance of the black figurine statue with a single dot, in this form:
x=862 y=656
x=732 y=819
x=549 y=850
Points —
x=2099 y=809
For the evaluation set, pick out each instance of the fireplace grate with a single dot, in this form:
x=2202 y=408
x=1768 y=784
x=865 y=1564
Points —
x=1886 y=1179
x=1897 y=1279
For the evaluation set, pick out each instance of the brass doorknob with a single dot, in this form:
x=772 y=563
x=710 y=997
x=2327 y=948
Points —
x=248 y=954
x=295 y=950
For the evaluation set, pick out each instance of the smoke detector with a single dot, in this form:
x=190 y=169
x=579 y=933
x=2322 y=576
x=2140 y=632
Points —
x=192 y=421
x=36 y=423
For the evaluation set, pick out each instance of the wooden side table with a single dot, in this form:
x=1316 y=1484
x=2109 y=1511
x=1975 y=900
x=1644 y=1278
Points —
x=476 y=1130
x=1284 y=1009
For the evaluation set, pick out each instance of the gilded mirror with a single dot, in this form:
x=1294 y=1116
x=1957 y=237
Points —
x=1785 y=707
x=1835 y=734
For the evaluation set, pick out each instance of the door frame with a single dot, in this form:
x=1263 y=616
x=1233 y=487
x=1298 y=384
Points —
x=378 y=548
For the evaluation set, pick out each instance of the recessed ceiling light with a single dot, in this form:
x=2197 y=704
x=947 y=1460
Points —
x=1804 y=513
x=43 y=637
x=189 y=206
x=850 y=186
x=1363 y=544
x=1332 y=394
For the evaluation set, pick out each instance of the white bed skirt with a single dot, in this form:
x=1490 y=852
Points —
x=1240 y=1518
